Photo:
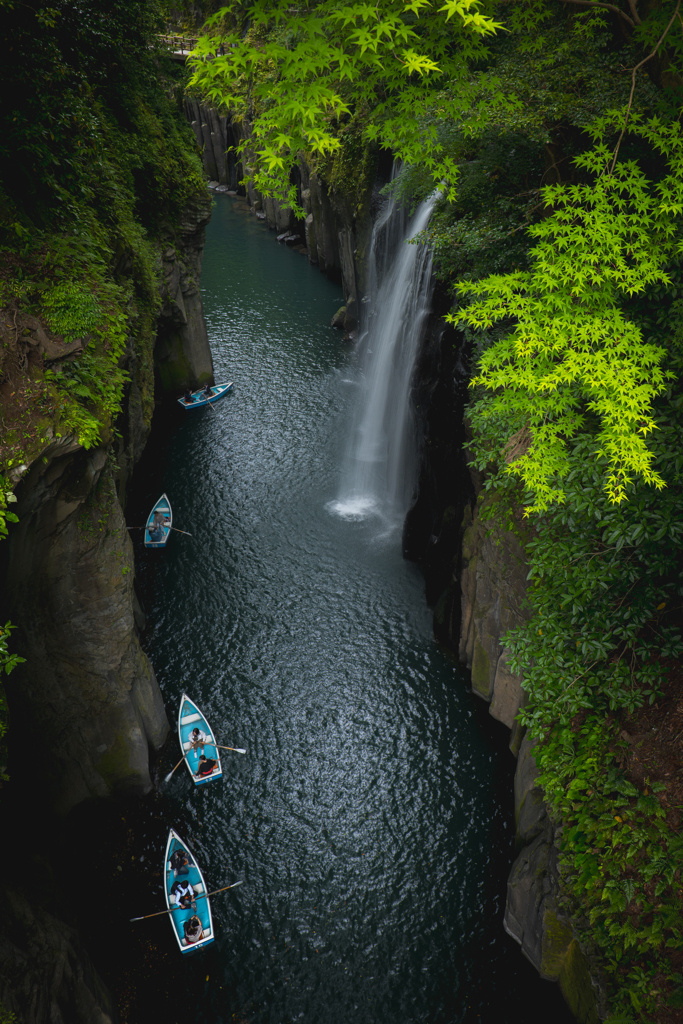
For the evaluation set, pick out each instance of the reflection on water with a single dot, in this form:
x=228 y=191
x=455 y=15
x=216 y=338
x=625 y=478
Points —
x=371 y=818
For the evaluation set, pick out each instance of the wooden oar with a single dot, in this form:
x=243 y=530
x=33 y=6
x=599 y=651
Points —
x=168 y=777
x=170 y=528
x=203 y=896
x=195 y=746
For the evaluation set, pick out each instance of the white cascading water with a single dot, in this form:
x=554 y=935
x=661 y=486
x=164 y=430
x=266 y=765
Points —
x=380 y=472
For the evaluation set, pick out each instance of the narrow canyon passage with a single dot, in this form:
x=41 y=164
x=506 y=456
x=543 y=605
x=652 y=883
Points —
x=371 y=819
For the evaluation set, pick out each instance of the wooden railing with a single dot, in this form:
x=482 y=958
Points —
x=178 y=43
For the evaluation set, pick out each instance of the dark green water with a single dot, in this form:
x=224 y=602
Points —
x=371 y=819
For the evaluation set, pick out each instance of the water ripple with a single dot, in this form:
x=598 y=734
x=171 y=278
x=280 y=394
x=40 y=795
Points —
x=370 y=819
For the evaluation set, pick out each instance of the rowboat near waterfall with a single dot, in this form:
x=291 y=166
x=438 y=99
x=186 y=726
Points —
x=198 y=399
x=159 y=524
x=184 y=888
x=198 y=743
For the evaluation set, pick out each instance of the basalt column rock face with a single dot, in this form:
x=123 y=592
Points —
x=533 y=915
x=431 y=532
x=86 y=695
x=493 y=589
x=216 y=136
x=493 y=584
x=182 y=354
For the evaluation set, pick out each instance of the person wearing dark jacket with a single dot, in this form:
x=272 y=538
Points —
x=206 y=765
x=183 y=894
x=180 y=864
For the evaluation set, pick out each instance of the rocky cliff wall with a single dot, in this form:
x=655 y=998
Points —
x=47 y=975
x=335 y=231
x=87 y=692
x=490 y=575
x=85 y=707
x=182 y=354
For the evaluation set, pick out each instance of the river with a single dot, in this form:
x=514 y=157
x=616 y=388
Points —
x=371 y=818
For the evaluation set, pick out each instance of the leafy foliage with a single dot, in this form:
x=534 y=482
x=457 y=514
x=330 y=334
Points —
x=296 y=74
x=621 y=863
x=8 y=662
x=96 y=163
x=572 y=351
x=71 y=310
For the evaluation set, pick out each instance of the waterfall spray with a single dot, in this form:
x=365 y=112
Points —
x=380 y=470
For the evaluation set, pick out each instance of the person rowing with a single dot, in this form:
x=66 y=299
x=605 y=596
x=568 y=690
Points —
x=183 y=894
x=208 y=391
x=199 y=739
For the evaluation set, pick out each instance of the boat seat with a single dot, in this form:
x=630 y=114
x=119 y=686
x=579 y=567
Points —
x=198 y=887
x=190 y=718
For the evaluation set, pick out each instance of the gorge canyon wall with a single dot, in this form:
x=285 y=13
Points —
x=86 y=694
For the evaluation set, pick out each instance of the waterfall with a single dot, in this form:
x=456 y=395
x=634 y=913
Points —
x=379 y=475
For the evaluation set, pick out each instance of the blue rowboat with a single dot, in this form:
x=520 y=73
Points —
x=189 y=719
x=198 y=399
x=159 y=523
x=192 y=874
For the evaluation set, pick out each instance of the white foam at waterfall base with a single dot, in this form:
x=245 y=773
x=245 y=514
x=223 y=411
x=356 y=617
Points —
x=379 y=472
x=353 y=509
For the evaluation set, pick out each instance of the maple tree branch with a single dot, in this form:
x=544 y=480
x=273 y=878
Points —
x=633 y=81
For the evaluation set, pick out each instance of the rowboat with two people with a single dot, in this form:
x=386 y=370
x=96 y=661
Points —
x=198 y=743
x=159 y=524
x=186 y=897
x=205 y=396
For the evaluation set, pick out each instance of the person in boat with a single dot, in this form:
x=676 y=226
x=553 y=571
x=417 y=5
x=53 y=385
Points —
x=193 y=929
x=156 y=533
x=199 y=739
x=180 y=862
x=183 y=894
x=208 y=391
x=187 y=397
x=206 y=765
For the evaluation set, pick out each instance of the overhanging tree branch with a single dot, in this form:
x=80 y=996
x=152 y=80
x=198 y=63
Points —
x=633 y=82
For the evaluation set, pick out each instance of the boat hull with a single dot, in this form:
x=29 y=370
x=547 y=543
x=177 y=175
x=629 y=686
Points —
x=164 y=510
x=196 y=879
x=189 y=718
x=199 y=398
